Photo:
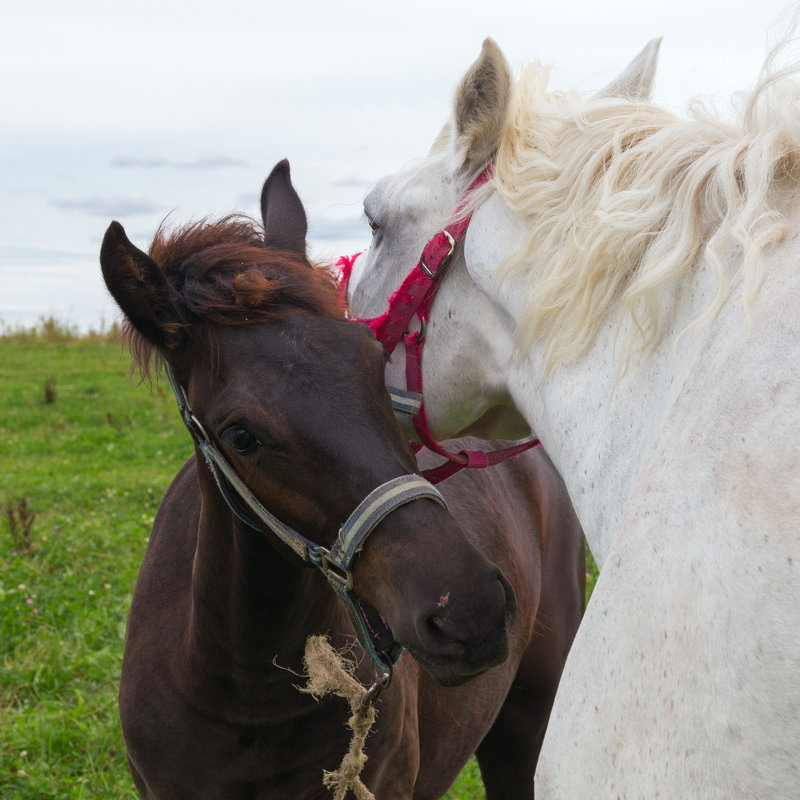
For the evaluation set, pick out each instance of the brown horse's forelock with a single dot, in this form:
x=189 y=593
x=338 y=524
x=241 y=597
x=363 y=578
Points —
x=221 y=274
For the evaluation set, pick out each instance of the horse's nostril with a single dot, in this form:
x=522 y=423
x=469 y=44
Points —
x=447 y=626
x=440 y=631
x=446 y=634
x=435 y=625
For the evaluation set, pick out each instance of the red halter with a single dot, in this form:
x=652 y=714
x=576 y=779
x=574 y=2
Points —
x=414 y=298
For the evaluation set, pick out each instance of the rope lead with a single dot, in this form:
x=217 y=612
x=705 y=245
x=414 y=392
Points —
x=329 y=673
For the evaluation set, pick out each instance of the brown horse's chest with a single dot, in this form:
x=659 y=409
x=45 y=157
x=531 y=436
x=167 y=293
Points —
x=188 y=754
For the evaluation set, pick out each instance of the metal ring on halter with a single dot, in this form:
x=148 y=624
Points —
x=381 y=682
x=423 y=329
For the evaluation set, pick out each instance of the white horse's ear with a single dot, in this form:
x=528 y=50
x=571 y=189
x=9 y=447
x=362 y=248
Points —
x=636 y=81
x=480 y=109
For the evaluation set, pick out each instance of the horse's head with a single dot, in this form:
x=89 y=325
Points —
x=293 y=396
x=470 y=340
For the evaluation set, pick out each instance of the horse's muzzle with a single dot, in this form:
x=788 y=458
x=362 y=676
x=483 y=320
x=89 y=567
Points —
x=467 y=634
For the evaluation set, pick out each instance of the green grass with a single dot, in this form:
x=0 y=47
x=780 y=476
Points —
x=91 y=459
x=86 y=456
x=468 y=785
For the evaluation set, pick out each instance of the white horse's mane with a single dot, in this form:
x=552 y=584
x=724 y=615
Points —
x=621 y=197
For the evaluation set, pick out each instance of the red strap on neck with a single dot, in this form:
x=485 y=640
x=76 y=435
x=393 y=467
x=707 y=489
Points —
x=414 y=298
x=469 y=459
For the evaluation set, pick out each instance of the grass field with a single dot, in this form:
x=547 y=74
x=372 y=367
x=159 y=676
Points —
x=89 y=454
x=86 y=455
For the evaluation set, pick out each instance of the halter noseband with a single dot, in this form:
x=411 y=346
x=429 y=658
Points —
x=413 y=299
x=371 y=629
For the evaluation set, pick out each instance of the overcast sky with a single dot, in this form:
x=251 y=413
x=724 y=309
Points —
x=135 y=110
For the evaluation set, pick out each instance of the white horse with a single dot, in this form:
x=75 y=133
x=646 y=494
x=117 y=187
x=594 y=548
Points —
x=629 y=291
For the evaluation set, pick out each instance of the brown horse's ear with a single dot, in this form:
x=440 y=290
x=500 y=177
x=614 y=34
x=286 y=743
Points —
x=138 y=285
x=285 y=225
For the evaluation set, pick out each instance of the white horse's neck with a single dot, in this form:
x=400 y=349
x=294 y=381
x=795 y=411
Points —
x=685 y=475
x=596 y=426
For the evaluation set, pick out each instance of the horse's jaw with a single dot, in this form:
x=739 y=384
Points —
x=454 y=410
x=502 y=421
x=449 y=676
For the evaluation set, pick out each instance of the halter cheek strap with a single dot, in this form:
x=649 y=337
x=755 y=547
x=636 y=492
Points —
x=371 y=628
x=413 y=299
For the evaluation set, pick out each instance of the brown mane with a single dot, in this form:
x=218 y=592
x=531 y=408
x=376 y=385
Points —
x=221 y=274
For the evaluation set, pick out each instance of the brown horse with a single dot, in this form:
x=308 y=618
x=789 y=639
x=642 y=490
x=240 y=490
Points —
x=291 y=395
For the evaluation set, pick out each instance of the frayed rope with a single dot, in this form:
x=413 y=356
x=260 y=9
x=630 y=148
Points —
x=329 y=673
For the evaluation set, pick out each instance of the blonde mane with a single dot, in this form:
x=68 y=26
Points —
x=621 y=197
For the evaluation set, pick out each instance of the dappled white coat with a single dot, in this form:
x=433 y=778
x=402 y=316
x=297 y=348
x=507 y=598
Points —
x=680 y=448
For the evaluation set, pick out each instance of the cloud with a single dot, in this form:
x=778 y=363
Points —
x=15 y=256
x=353 y=182
x=334 y=230
x=125 y=162
x=107 y=206
x=211 y=162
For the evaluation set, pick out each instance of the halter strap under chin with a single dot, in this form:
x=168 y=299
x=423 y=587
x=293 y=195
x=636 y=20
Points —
x=371 y=628
x=413 y=299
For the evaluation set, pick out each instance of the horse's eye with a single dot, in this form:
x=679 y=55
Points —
x=240 y=439
x=371 y=222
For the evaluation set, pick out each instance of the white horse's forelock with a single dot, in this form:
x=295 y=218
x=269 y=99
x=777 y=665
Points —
x=620 y=197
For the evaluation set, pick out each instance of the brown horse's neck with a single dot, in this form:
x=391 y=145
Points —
x=252 y=610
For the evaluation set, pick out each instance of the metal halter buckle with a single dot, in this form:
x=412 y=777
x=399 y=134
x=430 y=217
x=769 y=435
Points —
x=426 y=269
x=321 y=557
